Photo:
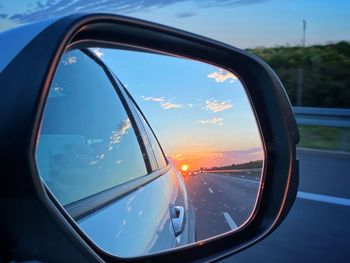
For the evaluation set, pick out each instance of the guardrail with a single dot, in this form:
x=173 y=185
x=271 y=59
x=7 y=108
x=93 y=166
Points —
x=327 y=117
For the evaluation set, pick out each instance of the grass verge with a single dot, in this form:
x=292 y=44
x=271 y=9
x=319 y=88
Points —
x=326 y=138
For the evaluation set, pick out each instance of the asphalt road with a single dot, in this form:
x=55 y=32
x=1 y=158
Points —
x=317 y=228
x=221 y=201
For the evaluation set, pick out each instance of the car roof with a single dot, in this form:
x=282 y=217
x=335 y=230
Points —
x=14 y=40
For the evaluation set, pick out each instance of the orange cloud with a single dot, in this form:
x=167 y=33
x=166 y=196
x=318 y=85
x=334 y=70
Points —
x=222 y=75
x=168 y=105
x=214 y=121
x=164 y=104
x=196 y=160
x=217 y=106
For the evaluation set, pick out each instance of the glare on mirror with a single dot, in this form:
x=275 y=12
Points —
x=162 y=153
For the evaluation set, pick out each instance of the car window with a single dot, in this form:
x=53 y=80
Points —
x=86 y=143
x=161 y=160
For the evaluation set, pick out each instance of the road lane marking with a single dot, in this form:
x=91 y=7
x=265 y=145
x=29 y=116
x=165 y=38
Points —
x=324 y=198
x=205 y=182
x=230 y=221
x=211 y=191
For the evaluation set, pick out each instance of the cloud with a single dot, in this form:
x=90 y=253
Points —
x=222 y=75
x=118 y=134
x=70 y=60
x=98 y=159
x=168 y=105
x=163 y=103
x=216 y=106
x=45 y=9
x=214 y=121
x=244 y=156
x=5 y=24
x=56 y=91
x=220 y=3
x=160 y=99
x=185 y=14
x=215 y=157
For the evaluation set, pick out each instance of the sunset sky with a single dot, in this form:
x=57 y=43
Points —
x=199 y=112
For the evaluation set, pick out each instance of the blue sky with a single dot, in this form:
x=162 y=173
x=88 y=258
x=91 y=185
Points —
x=200 y=113
x=242 y=23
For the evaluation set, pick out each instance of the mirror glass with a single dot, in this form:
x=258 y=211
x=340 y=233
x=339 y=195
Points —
x=149 y=152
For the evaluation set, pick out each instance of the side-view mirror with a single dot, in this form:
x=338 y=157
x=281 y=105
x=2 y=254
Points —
x=139 y=142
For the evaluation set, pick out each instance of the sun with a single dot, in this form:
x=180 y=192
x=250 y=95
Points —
x=184 y=167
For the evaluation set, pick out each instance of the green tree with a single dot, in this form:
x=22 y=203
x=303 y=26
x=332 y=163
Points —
x=326 y=81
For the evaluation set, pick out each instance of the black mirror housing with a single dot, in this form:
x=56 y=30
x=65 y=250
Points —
x=34 y=225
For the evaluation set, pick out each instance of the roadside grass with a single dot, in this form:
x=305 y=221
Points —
x=326 y=138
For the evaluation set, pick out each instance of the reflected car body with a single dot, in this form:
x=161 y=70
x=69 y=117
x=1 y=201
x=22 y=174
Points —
x=88 y=159
x=144 y=228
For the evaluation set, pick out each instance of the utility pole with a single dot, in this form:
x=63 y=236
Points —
x=301 y=71
x=304 y=31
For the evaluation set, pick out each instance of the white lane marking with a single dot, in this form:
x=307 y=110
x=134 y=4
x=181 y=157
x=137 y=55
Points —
x=205 y=182
x=324 y=198
x=229 y=220
x=211 y=191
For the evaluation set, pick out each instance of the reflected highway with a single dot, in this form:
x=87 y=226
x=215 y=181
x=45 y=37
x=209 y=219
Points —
x=316 y=229
x=222 y=201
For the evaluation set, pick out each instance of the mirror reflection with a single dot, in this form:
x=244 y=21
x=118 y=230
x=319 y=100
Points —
x=149 y=152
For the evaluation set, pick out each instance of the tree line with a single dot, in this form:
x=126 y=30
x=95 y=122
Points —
x=325 y=79
x=248 y=165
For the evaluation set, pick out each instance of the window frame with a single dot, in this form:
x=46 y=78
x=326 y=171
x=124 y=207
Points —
x=134 y=104
x=129 y=100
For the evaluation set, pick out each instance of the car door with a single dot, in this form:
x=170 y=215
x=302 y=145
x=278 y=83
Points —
x=181 y=212
x=100 y=160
